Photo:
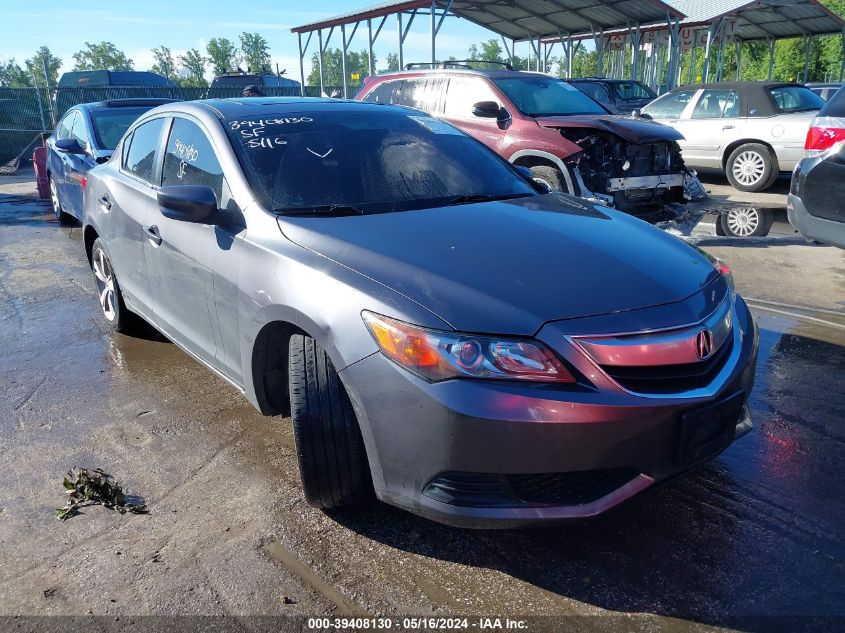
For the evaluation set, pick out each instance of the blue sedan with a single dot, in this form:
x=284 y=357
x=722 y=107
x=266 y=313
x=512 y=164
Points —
x=86 y=136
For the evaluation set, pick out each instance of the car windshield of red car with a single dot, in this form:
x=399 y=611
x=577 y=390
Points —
x=538 y=95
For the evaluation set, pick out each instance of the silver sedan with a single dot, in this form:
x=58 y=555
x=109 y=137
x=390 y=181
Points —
x=752 y=130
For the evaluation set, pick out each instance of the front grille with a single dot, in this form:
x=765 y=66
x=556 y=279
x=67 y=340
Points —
x=671 y=378
x=489 y=490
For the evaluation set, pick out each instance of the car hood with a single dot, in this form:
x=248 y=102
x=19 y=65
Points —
x=509 y=267
x=631 y=129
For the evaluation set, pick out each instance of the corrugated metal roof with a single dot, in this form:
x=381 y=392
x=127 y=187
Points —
x=761 y=19
x=525 y=19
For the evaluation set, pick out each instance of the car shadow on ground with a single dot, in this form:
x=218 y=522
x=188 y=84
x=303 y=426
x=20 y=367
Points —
x=752 y=535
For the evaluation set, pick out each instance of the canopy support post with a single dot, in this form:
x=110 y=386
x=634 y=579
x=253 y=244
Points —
x=301 y=66
x=635 y=52
x=674 y=53
x=738 y=45
x=693 y=61
x=320 y=61
x=808 y=47
x=598 y=37
x=771 y=58
x=712 y=32
x=370 y=47
x=343 y=61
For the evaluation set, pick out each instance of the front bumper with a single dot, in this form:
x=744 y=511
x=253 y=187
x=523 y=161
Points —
x=419 y=434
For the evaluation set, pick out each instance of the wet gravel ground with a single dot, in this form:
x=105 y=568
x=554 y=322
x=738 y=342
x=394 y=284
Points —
x=753 y=541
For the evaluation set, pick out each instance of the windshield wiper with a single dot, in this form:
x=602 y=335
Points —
x=324 y=209
x=470 y=198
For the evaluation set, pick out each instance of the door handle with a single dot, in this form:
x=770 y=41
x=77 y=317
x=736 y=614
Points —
x=729 y=127
x=153 y=235
x=104 y=202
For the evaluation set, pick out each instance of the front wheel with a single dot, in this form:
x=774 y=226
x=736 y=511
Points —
x=332 y=460
x=108 y=292
x=752 y=167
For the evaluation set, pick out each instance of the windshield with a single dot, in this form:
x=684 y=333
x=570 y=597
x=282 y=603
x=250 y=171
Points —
x=110 y=124
x=631 y=90
x=367 y=162
x=796 y=99
x=537 y=95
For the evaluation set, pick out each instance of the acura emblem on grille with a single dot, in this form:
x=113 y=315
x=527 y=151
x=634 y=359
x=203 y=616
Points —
x=704 y=344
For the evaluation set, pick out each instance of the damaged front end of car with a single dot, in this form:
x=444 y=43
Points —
x=628 y=164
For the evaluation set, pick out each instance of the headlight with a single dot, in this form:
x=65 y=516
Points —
x=435 y=355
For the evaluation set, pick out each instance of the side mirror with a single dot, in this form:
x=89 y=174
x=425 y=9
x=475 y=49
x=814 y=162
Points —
x=188 y=203
x=69 y=146
x=489 y=110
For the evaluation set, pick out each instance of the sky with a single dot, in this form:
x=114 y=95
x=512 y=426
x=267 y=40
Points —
x=136 y=26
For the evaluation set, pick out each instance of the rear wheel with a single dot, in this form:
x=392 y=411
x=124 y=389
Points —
x=550 y=176
x=61 y=216
x=752 y=167
x=332 y=459
x=108 y=292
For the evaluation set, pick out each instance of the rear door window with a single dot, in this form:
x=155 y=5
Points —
x=669 y=106
x=465 y=92
x=190 y=159
x=717 y=104
x=795 y=99
x=143 y=146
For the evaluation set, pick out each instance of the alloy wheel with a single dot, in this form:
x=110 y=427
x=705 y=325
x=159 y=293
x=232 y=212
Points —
x=54 y=199
x=748 y=168
x=104 y=279
x=743 y=222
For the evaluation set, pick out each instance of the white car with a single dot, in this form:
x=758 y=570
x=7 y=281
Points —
x=753 y=130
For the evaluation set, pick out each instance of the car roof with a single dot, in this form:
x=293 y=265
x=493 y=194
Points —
x=123 y=103
x=604 y=80
x=268 y=106
x=741 y=85
x=491 y=73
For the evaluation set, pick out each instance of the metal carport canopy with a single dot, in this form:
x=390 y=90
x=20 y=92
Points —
x=524 y=19
x=763 y=19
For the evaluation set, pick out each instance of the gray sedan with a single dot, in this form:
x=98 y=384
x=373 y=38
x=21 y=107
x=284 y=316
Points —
x=752 y=130
x=443 y=333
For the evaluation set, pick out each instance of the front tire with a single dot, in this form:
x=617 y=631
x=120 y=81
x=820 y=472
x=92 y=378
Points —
x=333 y=463
x=752 y=167
x=61 y=216
x=117 y=316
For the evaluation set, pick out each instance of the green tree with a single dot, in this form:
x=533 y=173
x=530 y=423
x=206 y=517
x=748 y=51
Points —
x=256 y=52
x=101 y=56
x=223 y=55
x=13 y=76
x=356 y=64
x=35 y=66
x=392 y=62
x=164 y=64
x=192 y=65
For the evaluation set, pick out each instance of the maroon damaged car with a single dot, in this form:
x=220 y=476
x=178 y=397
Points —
x=569 y=141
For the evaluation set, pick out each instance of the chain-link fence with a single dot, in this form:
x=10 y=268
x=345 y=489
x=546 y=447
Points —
x=27 y=114
x=24 y=116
